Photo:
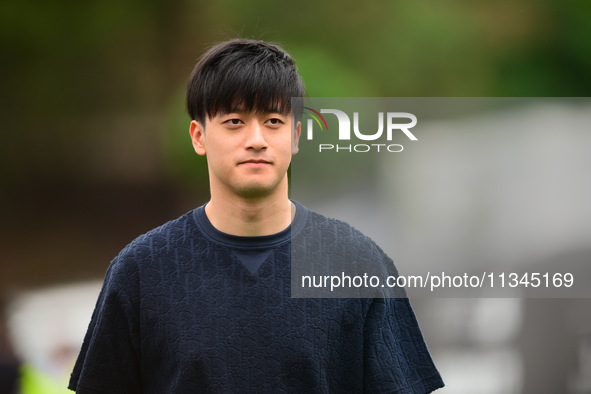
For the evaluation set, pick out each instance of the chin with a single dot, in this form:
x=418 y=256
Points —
x=256 y=191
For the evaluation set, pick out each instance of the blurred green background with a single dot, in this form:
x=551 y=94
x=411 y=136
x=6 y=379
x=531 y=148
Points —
x=95 y=146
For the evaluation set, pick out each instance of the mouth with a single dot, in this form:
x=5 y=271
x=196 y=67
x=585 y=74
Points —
x=255 y=162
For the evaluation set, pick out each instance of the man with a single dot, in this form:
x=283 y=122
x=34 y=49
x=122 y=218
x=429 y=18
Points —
x=202 y=303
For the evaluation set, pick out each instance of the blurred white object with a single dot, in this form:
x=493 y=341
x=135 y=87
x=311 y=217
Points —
x=47 y=326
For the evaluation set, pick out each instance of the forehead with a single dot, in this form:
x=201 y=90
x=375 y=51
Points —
x=252 y=107
x=245 y=99
x=250 y=114
x=259 y=103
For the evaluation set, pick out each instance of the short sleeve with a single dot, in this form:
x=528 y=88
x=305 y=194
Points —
x=396 y=358
x=109 y=358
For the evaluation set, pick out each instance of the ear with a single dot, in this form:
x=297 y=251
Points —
x=197 y=132
x=296 y=138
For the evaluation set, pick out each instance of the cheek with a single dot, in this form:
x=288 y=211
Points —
x=216 y=157
x=284 y=143
x=219 y=148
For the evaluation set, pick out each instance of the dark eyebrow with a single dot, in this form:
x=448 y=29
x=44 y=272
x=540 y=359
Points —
x=243 y=112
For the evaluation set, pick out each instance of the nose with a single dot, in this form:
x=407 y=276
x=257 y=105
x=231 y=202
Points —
x=255 y=138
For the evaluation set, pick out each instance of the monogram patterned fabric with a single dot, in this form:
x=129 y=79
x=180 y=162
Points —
x=186 y=309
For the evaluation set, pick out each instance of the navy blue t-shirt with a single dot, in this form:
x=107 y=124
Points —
x=186 y=308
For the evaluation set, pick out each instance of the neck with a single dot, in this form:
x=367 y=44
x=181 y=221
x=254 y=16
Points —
x=250 y=217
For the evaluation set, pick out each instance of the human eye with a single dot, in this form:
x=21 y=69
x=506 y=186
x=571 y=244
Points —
x=233 y=122
x=274 y=122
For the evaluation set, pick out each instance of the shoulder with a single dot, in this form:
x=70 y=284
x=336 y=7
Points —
x=139 y=263
x=158 y=242
x=339 y=234
x=165 y=237
x=341 y=259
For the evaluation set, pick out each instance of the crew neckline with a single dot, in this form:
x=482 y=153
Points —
x=250 y=242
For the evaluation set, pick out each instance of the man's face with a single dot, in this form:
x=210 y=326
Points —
x=247 y=153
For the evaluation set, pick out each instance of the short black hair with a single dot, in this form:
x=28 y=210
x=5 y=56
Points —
x=243 y=75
